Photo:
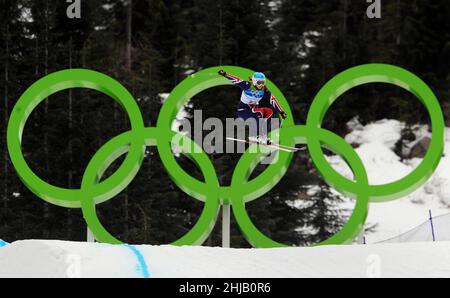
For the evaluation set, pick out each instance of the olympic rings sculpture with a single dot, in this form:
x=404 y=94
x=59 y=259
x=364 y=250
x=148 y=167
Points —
x=241 y=191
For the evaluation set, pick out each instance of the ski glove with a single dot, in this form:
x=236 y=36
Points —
x=222 y=73
x=283 y=115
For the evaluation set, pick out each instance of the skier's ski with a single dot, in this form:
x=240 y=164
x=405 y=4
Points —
x=294 y=149
x=273 y=146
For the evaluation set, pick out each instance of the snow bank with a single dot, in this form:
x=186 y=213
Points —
x=68 y=259
x=376 y=144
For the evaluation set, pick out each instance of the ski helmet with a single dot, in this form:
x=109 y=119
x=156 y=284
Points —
x=259 y=79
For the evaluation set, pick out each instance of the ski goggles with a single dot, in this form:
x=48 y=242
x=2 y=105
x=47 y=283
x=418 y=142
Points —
x=260 y=83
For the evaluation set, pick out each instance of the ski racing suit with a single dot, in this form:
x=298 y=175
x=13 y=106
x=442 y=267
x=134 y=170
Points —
x=256 y=104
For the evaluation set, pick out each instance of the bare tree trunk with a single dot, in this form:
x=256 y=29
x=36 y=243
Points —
x=46 y=232
x=5 y=117
x=82 y=152
x=36 y=69
x=400 y=20
x=177 y=63
x=126 y=192
x=126 y=234
x=144 y=222
x=129 y=34
x=220 y=34
x=128 y=62
x=70 y=173
x=344 y=28
x=237 y=21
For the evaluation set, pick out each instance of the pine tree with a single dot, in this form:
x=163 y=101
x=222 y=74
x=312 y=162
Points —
x=324 y=213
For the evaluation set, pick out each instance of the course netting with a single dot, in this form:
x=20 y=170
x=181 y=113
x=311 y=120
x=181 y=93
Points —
x=435 y=229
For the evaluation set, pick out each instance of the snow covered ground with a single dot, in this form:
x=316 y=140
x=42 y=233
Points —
x=71 y=259
x=376 y=142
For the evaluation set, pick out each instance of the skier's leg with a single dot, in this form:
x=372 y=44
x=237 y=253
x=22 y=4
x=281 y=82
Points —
x=264 y=123
x=248 y=114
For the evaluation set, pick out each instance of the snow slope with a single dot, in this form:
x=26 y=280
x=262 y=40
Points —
x=70 y=259
x=376 y=142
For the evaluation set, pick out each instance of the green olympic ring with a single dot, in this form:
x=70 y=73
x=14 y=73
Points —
x=94 y=191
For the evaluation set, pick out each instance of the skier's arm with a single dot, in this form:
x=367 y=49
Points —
x=244 y=85
x=277 y=107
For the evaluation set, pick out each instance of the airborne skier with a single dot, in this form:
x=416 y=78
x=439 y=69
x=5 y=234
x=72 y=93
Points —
x=257 y=102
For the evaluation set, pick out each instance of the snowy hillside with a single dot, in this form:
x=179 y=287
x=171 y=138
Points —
x=376 y=143
x=70 y=259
